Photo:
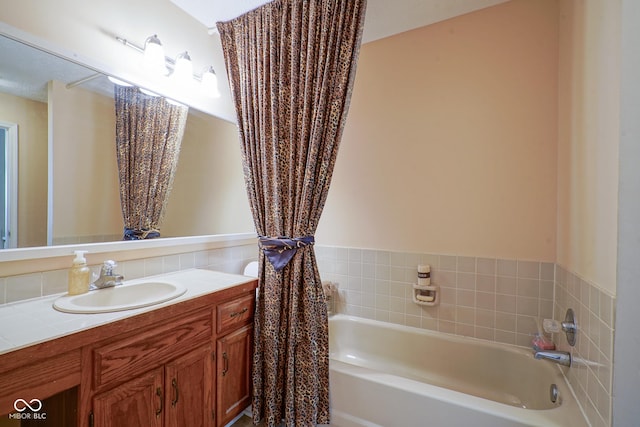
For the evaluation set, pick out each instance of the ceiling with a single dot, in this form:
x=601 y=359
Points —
x=383 y=17
x=28 y=78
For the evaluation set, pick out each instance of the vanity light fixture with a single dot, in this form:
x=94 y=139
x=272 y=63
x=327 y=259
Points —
x=180 y=69
x=156 y=60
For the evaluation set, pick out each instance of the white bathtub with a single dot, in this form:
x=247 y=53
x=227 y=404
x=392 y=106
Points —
x=396 y=376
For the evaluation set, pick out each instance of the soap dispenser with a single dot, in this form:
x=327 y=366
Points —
x=79 y=275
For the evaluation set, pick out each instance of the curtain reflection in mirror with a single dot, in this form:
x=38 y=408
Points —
x=149 y=132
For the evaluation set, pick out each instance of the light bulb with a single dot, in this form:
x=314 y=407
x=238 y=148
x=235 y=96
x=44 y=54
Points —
x=183 y=69
x=154 y=59
x=210 y=83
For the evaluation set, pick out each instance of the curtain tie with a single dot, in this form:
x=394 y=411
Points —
x=133 y=234
x=280 y=250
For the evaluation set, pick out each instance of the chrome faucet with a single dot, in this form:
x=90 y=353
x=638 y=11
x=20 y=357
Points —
x=107 y=278
x=559 y=357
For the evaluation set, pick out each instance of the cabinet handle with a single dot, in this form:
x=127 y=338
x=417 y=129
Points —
x=238 y=313
x=159 y=394
x=226 y=363
x=174 y=385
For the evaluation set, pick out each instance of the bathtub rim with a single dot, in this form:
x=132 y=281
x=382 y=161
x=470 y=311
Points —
x=564 y=413
x=512 y=348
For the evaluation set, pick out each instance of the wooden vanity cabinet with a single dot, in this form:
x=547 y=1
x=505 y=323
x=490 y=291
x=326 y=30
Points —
x=235 y=351
x=136 y=403
x=186 y=364
x=179 y=394
x=190 y=388
x=158 y=376
x=234 y=373
x=164 y=376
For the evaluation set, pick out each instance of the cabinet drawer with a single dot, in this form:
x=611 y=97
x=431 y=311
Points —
x=235 y=313
x=135 y=354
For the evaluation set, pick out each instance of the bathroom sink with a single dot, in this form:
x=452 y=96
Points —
x=119 y=298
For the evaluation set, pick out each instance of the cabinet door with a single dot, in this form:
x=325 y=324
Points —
x=136 y=403
x=189 y=389
x=234 y=374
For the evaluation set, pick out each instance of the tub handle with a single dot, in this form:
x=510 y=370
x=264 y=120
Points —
x=569 y=327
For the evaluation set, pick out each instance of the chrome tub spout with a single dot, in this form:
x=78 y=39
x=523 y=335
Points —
x=559 y=357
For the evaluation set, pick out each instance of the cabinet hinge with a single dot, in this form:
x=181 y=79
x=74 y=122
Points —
x=91 y=419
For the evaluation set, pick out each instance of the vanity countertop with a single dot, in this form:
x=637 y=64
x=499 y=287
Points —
x=26 y=323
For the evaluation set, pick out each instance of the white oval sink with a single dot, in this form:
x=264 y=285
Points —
x=119 y=298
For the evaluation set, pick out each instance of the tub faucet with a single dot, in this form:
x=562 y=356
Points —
x=559 y=357
x=107 y=278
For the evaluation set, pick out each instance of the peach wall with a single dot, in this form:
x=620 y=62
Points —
x=589 y=99
x=84 y=170
x=450 y=144
x=31 y=118
x=208 y=195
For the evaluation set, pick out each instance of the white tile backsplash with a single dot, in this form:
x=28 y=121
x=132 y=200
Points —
x=28 y=286
x=187 y=261
x=171 y=263
x=500 y=300
x=23 y=287
x=591 y=373
x=54 y=282
x=468 y=286
x=133 y=269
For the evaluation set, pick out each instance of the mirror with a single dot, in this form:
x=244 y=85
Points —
x=67 y=185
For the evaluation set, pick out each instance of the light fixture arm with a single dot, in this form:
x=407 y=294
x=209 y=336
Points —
x=169 y=61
